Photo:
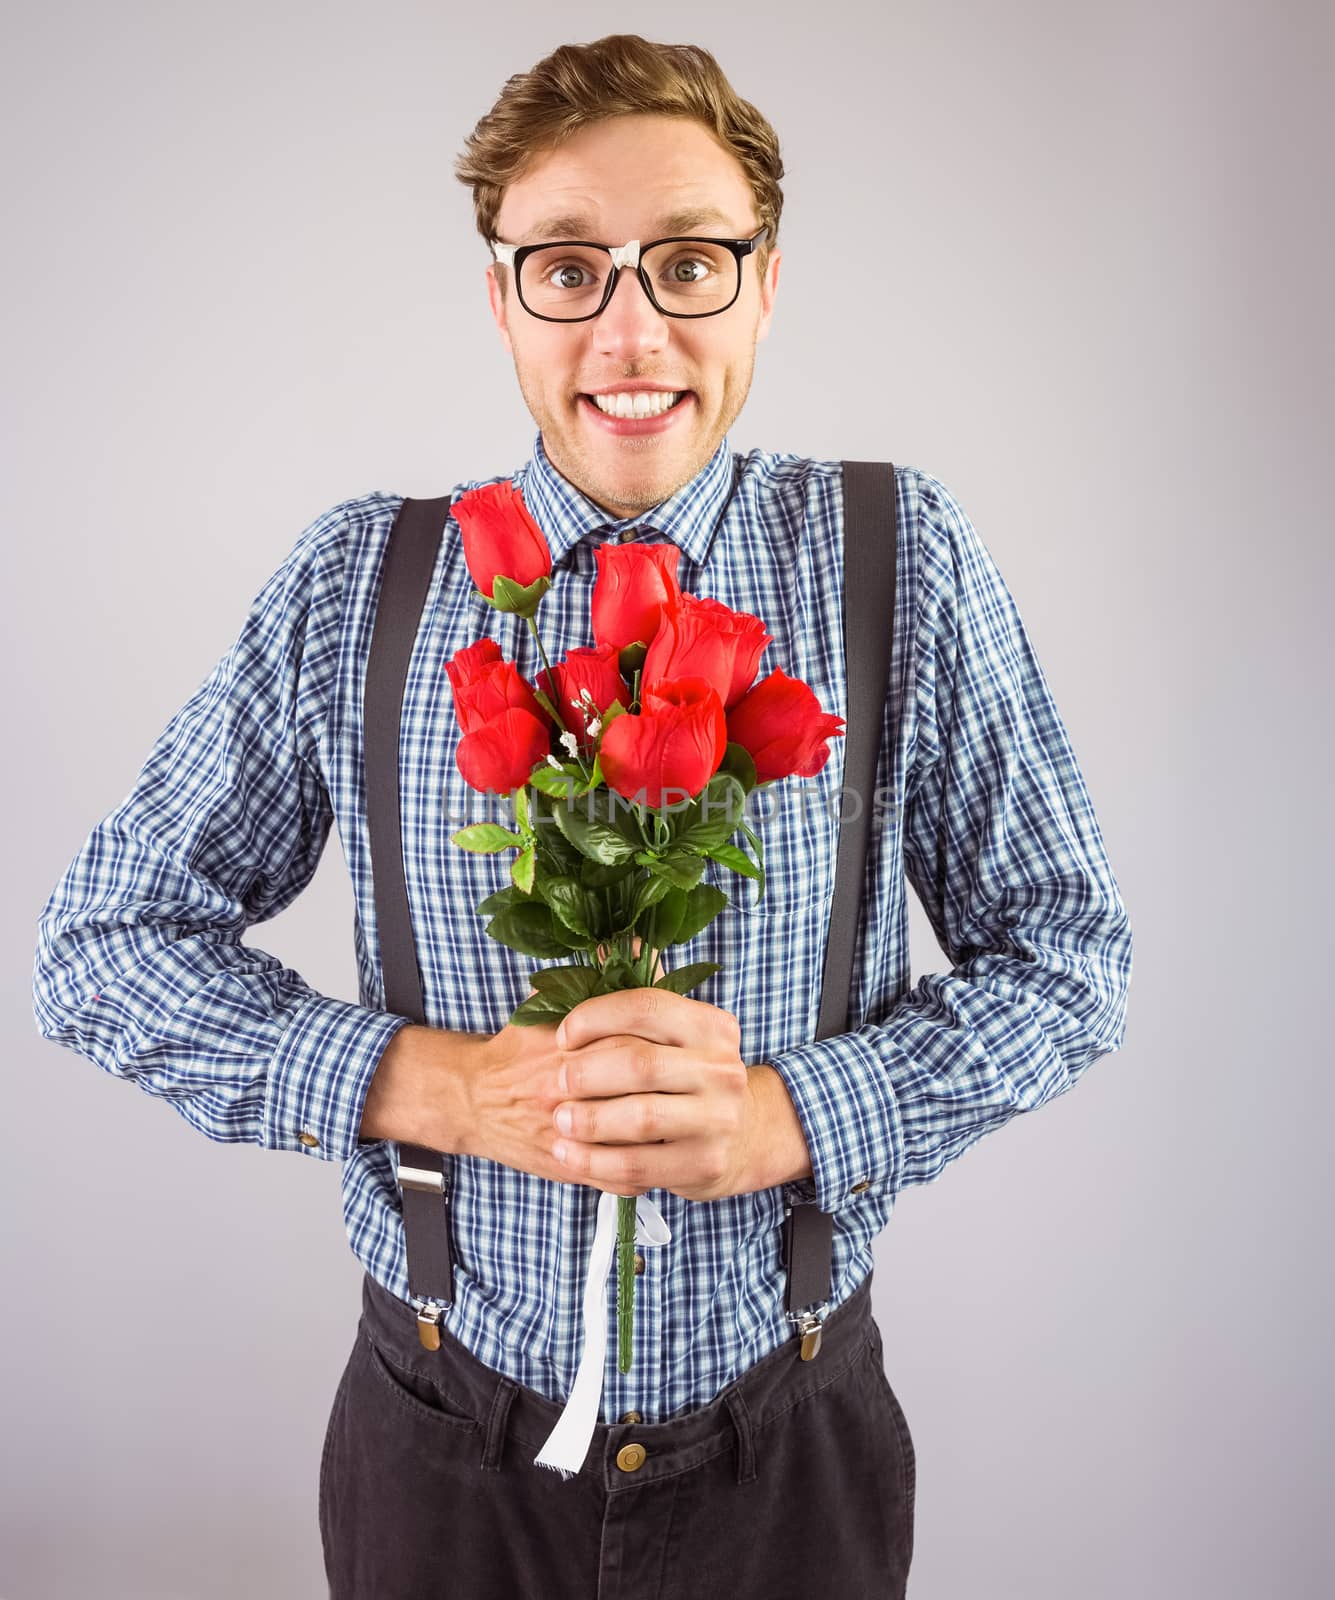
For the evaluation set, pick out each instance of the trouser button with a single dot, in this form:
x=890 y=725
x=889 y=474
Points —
x=630 y=1457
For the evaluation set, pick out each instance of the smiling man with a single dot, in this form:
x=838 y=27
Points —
x=642 y=178
x=630 y=205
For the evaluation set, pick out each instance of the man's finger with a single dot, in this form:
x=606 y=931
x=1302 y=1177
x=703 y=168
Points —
x=651 y=1013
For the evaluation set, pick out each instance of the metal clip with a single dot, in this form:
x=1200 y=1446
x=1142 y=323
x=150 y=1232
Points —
x=809 y=1326
x=428 y=1323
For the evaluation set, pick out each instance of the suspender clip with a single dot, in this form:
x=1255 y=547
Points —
x=809 y=1326
x=428 y=1322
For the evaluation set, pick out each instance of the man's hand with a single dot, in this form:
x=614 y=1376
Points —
x=658 y=1094
x=659 y=1097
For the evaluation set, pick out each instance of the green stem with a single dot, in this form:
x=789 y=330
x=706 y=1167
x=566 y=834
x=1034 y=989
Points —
x=625 y=1280
x=551 y=676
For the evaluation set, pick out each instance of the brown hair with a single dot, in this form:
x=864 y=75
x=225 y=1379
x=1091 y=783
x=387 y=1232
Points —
x=579 y=84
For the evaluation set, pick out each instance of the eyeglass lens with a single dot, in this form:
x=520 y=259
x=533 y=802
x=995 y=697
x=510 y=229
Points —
x=687 y=276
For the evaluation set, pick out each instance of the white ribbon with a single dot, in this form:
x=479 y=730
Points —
x=568 y=1443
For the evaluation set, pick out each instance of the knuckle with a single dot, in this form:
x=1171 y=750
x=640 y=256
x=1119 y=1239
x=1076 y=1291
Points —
x=649 y=1003
x=644 y=1060
x=633 y=1173
x=648 y=1119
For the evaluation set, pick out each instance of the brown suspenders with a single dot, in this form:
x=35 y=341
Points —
x=869 y=606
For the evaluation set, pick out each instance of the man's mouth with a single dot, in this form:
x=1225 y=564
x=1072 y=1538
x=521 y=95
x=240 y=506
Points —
x=641 y=403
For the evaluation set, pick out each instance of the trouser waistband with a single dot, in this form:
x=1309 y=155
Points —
x=505 y=1408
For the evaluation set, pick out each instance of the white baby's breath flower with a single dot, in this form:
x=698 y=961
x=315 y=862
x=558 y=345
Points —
x=568 y=742
x=593 y=728
x=553 y=762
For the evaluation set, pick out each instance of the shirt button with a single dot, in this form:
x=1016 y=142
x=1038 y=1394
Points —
x=859 y=1187
x=628 y=534
x=630 y=1457
x=631 y=1416
x=639 y=1262
x=309 y=1140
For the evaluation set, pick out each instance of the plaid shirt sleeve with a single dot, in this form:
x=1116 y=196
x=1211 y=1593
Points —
x=140 y=965
x=1003 y=850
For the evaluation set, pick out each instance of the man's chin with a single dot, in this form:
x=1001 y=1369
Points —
x=622 y=481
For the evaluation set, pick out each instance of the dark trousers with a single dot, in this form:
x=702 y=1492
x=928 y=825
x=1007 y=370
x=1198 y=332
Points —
x=798 y=1479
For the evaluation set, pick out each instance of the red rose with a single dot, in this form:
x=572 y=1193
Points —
x=635 y=584
x=706 y=639
x=499 y=755
x=781 y=725
x=501 y=539
x=675 y=743
x=592 y=669
x=484 y=686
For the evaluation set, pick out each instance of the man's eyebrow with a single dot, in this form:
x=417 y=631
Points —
x=572 y=225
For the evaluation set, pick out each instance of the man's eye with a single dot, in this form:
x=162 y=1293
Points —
x=682 y=269
x=567 y=276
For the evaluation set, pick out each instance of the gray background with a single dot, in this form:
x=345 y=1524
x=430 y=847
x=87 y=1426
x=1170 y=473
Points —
x=1072 y=260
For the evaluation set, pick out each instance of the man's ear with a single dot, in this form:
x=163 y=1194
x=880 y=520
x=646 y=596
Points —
x=769 y=287
x=498 y=309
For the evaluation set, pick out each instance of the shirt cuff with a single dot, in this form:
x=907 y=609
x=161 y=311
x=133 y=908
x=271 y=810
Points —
x=320 y=1073
x=849 y=1116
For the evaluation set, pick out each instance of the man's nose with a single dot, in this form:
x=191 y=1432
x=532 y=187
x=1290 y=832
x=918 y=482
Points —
x=630 y=321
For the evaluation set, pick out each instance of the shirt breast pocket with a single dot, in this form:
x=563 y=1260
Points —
x=798 y=831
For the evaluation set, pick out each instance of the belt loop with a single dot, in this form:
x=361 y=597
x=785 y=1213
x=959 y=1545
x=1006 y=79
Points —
x=497 y=1414
x=741 y=1418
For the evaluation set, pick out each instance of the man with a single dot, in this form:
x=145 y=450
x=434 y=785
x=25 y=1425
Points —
x=722 y=1462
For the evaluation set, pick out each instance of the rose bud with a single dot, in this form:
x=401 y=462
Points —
x=706 y=639
x=485 y=685
x=675 y=744
x=782 y=727
x=592 y=669
x=501 y=540
x=635 y=584
x=499 y=755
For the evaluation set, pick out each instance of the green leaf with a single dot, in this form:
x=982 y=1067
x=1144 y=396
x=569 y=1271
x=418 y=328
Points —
x=529 y=929
x=682 y=870
x=568 y=899
x=523 y=867
x=618 y=974
x=487 y=837
x=649 y=893
x=728 y=855
x=666 y=916
x=594 y=875
x=760 y=857
x=565 y=986
x=553 y=780
x=597 y=840
x=502 y=900
x=715 y=817
x=687 y=977
x=537 y=1008
x=737 y=760
x=520 y=799
x=703 y=904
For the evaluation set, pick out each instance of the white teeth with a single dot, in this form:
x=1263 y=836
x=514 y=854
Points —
x=644 y=403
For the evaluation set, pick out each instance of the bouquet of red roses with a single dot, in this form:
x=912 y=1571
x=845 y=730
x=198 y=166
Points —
x=629 y=763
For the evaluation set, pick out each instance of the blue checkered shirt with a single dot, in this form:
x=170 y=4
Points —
x=142 y=968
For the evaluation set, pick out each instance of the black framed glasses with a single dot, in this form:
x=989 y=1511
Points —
x=572 y=280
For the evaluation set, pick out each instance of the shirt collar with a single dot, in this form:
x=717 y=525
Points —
x=566 y=515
